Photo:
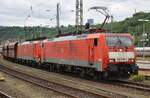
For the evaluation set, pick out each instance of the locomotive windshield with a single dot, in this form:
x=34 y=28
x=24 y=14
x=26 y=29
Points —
x=118 y=41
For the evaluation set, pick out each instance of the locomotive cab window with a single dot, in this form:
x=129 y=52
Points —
x=123 y=41
x=95 y=41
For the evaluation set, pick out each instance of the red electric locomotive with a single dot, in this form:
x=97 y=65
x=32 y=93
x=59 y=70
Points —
x=94 y=54
x=29 y=51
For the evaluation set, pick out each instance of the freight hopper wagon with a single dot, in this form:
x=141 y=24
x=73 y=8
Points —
x=106 y=55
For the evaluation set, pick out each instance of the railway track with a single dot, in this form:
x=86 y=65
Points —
x=4 y=95
x=134 y=85
x=60 y=88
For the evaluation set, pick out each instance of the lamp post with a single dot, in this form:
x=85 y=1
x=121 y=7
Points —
x=143 y=20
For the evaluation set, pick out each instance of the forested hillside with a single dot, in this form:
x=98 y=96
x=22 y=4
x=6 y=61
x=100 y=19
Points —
x=131 y=25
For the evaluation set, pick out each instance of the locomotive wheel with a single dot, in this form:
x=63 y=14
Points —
x=97 y=76
x=104 y=75
x=82 y=73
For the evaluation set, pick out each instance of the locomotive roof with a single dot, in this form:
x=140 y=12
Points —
x=29 y=42
x=12 y=43
x=77 y=37
x=86 y=36
x=9 y=44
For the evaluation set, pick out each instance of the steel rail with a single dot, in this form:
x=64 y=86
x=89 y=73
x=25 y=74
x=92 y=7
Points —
x=134 y=85
x=4 y=95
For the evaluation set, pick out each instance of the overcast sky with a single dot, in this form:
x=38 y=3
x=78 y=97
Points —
x=15 y=12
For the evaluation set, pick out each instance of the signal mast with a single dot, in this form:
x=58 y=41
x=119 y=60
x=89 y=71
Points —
x=58 y=18
x=79 y=16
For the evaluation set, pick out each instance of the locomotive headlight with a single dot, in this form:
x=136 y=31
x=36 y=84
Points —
x=120 y=50
x=131 y=60
x=111 y=60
